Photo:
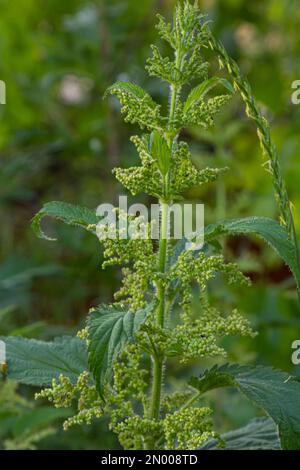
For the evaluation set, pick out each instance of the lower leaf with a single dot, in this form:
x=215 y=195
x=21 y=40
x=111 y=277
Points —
x=276 y=392
x=34 y=362
x=258 y=434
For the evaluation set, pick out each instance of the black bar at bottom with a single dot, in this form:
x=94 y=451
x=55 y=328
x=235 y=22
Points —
x=139 y=459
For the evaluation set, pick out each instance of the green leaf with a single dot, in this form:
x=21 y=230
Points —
x=68 y=213
x=267 y=229
x=276 y=392
x=258 y=434
x=128 y=88
x=160 y=151
x=110 y=329
x=34 y=362
x=201 y=90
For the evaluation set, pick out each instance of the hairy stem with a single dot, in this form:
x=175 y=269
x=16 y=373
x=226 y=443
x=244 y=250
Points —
x=158 y=363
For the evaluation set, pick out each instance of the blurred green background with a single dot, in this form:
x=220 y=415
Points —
x=59 y=141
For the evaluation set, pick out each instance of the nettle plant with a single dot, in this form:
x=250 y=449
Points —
x=118 y=365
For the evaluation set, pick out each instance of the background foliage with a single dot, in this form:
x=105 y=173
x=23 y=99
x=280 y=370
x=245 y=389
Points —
x=59 y=141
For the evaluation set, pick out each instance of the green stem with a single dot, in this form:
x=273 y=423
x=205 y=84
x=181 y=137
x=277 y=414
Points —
x=156 y=390
x=173 y=100
x=158 y=362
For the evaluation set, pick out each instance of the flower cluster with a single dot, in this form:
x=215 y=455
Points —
x=189 y=428
x=199 y=338
x=201 y=268
x=167 y=70
x=184 y=173
x=137 y=106
x=149 y=179
x=144 y=178
x=187 y=34
x=134 y=249
x=201 y=113
x=64 y=393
